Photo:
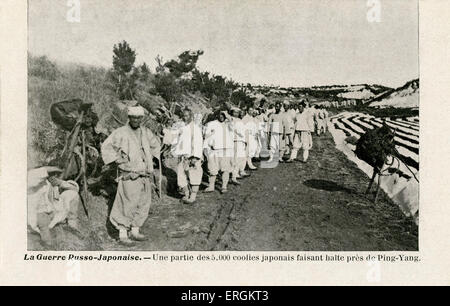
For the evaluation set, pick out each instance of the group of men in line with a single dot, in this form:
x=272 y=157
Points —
x=228 y=144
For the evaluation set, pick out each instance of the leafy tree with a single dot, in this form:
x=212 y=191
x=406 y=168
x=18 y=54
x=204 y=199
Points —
x=241 y=99
x=186 y=62
x=169 y=81
x=123 y=58
x=181 y=75
x=123 y=74
x=213 y=87
x=167 y=87
x=144 y=72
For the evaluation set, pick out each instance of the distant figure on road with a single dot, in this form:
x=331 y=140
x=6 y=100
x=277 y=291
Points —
x=321 y=120
x=132 y=147
x=316 y=116
x=325 y=119
x=289 y=126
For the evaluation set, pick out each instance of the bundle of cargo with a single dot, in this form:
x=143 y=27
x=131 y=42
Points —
x=375 y=147
x=67 y=113
x=80 y=150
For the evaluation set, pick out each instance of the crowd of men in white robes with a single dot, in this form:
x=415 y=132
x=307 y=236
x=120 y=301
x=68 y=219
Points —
x=228 y=144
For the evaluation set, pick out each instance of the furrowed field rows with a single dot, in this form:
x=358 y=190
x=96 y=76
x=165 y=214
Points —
x=406 y=139
x=350 y=129
x=413 y=138
x=409 y=122
x=403 y=128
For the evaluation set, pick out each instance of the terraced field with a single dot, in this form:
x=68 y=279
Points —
x=406 y=135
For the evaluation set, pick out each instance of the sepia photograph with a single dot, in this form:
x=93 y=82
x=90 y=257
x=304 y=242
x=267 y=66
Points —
x=223 y=125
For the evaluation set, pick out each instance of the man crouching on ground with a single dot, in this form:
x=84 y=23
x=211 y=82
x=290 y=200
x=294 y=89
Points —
x=132 y=147
x=51 y=201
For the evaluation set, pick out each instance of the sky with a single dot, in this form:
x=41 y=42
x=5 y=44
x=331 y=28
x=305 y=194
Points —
x=282 y=42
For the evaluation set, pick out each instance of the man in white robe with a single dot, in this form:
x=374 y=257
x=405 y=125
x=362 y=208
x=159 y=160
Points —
x=315 y=112
x=186 y=140
x=263 y=128
x=219 y=150
x=240 y=147
x=289 y=127
x=251 y=137
x=132 y=147
x=321 y=120
x=326 y=119
x=304 y=125
x=277 y=141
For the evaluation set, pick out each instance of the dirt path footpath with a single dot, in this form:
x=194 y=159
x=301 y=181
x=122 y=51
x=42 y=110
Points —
x=317 y=206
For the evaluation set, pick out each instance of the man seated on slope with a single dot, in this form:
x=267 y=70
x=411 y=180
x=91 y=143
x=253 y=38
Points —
x=51 y=201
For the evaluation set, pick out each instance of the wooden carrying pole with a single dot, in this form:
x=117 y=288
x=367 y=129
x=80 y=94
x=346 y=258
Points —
x=160 y=176
x=83 y=165
x=73 y=143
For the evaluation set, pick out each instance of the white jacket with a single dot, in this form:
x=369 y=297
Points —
x=185 y=139
x=288 y=121
x=276 y=123
x=239 y=130
x=304 y=121
x=219 y=135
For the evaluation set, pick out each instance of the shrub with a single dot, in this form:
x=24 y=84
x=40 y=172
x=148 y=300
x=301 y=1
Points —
x=43 y=68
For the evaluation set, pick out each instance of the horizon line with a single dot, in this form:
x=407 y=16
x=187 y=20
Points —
x=337 y=84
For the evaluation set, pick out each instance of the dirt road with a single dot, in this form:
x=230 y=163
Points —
x=317 y=206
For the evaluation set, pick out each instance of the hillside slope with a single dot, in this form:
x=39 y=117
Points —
x=49 y=82
x=324 y=93
x=406 y=96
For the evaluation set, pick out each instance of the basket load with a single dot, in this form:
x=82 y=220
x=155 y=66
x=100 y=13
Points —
x=67 y=113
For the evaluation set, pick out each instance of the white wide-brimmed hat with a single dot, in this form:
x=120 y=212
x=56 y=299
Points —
x=136 y=111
